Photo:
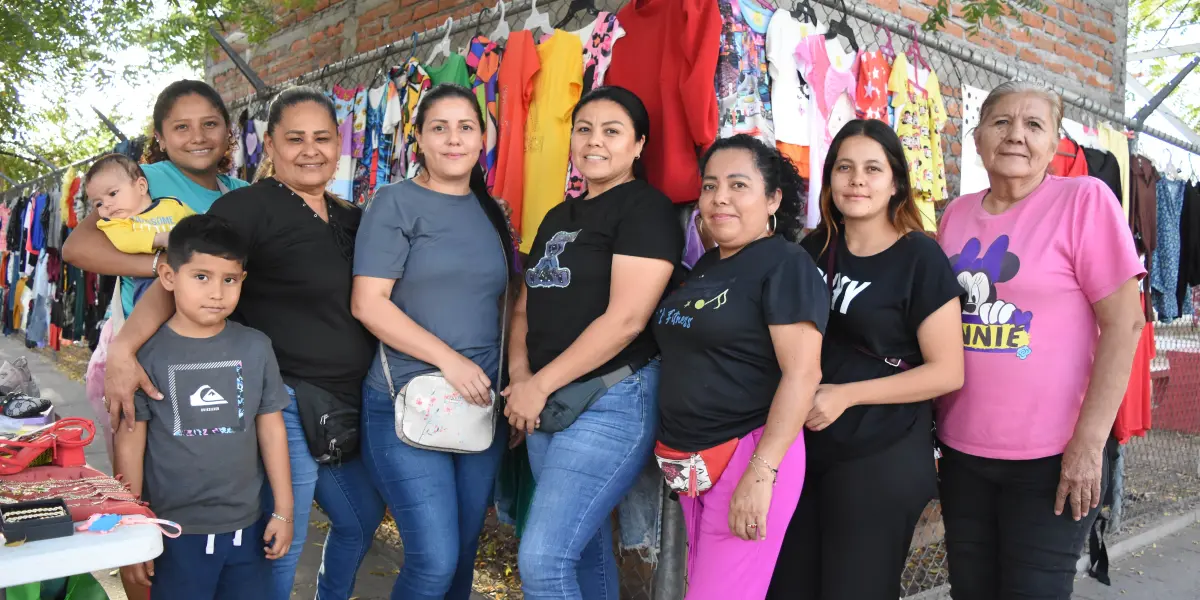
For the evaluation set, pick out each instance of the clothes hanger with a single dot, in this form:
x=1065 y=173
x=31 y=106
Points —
x=1066 y=134
x=888 y=50
x=537 y=20
x=588 y=6
x=502 y=30
x=412 y=48
x=803 y=11
x=914 y=49
x=442 y=47
x=839 y=27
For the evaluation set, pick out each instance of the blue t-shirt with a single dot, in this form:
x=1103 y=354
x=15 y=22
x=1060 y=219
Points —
x=167 y=180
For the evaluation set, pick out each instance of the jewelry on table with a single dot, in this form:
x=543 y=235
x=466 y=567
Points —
x=49 y=512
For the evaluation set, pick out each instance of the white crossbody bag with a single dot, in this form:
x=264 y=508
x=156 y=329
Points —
x=432 y=415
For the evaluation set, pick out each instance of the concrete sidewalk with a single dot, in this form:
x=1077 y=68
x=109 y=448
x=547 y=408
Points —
x=1167 y=569
x=375 y=578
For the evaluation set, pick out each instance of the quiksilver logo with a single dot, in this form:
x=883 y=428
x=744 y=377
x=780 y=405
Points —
x=206 y=396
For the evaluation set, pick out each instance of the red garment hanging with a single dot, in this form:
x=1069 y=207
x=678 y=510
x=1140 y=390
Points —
x=1069 y=160
x=1133 y=418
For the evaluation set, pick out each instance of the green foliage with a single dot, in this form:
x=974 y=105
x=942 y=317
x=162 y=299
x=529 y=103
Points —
x=978 y=12
x=56 y=46
x=64 y=143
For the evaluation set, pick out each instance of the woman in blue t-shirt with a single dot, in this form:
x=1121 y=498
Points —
x=190 y=149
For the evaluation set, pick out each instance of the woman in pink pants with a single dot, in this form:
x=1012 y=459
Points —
x=741 y=349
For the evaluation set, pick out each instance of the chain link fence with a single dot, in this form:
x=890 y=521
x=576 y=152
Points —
x=1157 y=476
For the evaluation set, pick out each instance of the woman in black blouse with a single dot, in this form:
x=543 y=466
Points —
x=895 y=304
x=301 y=244
x=741 y=346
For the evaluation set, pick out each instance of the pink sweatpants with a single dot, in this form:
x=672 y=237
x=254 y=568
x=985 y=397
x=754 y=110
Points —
x=721 y=565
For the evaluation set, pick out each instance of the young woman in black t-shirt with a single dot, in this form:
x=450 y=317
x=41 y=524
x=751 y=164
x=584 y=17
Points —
x=741 y=347
x=895 y=304
x=598 y=267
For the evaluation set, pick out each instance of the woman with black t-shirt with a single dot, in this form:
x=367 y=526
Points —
x=599 y=266
x=741 y=346
x=895 y=304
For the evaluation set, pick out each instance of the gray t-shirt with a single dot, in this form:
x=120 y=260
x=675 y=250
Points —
x=202 y=467
x=449 y=267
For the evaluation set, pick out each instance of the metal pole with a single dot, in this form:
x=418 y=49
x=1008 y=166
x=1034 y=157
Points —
x=1162 y=94
x=241 y=65
x=110 y=125
x=11 y=183
x=670 y=576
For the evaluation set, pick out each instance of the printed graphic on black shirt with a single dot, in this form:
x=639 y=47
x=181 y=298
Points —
x=991 y=324
x=207 y=398
x=548 y=273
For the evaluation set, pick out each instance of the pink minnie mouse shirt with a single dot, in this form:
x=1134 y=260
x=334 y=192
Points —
x=1031 y=275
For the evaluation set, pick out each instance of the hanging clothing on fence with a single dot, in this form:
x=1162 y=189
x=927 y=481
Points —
x=742 y=83
x=602 y=34
x=1115 y=141
x=669 y=59
x=1069 y=160
x=789 y=95
x=1189 y=242
x=483 y=56
x=1164 y=276
x=342 y=184
x=920 y=116
x=556 y=89
x=871 y=99
x=453 y=70
x=1102 y=165
x=1134 y=416
x=517 y=71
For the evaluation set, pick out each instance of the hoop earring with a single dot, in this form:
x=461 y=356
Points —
x=774 y=223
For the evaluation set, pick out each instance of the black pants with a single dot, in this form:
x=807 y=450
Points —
x=1003 y=539
x=851 y=533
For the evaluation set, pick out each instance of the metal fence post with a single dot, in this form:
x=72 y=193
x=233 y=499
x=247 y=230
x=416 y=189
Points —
x=670 y=577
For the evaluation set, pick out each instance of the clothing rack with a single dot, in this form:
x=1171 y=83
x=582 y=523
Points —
x=1003 y=68
x=26 y=187
x=485 y=16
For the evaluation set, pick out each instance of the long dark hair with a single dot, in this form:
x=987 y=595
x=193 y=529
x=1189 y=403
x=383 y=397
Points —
x=478 y=183
x=166 y=101
x=902 y=208
x=632 y=105
x=778 y=173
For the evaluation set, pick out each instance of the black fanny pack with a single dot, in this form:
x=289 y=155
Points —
x=565 y=405
x=330 y=421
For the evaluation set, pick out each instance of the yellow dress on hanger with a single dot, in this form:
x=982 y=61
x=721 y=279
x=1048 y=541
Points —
x=1115 y=141
x=556 y=89
x=920 y=116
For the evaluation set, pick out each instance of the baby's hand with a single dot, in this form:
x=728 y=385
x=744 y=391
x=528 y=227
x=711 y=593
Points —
x=160 y=239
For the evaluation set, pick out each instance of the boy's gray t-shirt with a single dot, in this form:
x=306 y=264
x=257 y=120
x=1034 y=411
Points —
x=202 y=467
x=449 y=267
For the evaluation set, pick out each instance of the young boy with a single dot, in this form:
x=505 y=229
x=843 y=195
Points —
x=195 y=454
x=133 y=222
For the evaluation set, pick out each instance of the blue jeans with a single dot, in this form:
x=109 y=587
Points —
x=347 y=496
x=582 y=473
x=439 y=501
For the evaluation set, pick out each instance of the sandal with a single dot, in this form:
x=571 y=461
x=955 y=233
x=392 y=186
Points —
x=61 y=443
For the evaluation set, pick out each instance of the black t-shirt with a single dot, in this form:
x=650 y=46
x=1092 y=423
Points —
x=878 y=303
x=298 y=286
x=571 y=274
x=719 y=370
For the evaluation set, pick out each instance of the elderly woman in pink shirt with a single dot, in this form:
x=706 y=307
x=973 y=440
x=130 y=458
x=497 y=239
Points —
x=1050 y=324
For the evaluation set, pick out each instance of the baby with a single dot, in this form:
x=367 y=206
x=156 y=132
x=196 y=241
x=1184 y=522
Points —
x=133 y=222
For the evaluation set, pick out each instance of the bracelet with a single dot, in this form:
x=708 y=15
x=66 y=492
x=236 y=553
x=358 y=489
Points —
x=34 y=513
x=154 y=267
x=279 y=517
x=765 y=463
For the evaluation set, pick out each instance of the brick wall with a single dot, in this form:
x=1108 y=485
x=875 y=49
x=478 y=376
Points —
x=1078 y=43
